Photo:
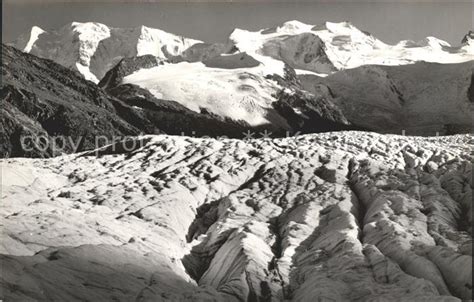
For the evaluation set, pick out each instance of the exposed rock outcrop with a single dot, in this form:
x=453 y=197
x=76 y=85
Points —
x=470 y=91
x=468 y=37
x=127 y=66
x=42 y=100
x=304 y=51
x=422 y=98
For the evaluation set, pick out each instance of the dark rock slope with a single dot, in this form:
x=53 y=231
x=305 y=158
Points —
x=43 y=99
x=470 y=91
x=126 y=66
x=421 y=98
x=308 y=112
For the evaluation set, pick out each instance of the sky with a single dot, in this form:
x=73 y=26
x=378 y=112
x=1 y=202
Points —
x=212 y=21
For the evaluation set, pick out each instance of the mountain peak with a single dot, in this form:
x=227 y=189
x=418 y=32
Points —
x=35 y=32
x=343 y=28
x=342 y=24
x=88 y=28
x=432 y=42
x=144 y=29
x=26 y=41
x=93 y=48
x=82 y=26
x=295 y=25
x=37 y=29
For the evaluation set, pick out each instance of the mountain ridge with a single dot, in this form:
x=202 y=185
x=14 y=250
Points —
x=345 y=45
x=93 y=48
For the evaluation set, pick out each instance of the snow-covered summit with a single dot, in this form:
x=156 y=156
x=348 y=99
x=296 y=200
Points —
x=26 y=41
x=293 y=27
x=335 y=46
x=93 y=48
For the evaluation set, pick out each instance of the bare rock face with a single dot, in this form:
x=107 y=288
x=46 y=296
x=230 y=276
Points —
x=421 y=98
x=470 y=91
x=304 y=51
x=44 y=100
x=347 y=216
x=126 y=66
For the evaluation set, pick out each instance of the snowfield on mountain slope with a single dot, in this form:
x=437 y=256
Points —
x=237 y=93
x=347 y=216
x=335 y=46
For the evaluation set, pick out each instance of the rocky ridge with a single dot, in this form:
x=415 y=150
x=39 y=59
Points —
x=42 y=100
x=422 y=98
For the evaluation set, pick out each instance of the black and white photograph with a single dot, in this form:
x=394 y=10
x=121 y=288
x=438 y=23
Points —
x=236 y=150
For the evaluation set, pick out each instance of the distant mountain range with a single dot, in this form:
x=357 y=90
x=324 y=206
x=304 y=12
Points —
x=291 y=78
x=93 y=48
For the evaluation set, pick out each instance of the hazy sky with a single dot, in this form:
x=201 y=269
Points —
x=390 y=21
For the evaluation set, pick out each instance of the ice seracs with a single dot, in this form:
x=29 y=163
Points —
x=345 y=216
